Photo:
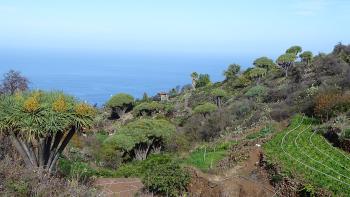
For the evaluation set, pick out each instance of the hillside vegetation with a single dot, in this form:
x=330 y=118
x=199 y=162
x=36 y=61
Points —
x=204 y=125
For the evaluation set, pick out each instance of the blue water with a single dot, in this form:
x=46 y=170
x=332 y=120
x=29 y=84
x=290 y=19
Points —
x=94 y=78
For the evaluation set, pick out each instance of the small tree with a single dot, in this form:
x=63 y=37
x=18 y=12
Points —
x=13 y=81
x=194 y=77
x=141 y=137
x=218 y=94
x=232 y=71
x=148 y=108
x=203 y=80
x=205 y=109
x=257 y=73
x=294 y=50
x=264 y=62
x=286 y=61
x=119 y=104
x=41 y=124
x=306 y=57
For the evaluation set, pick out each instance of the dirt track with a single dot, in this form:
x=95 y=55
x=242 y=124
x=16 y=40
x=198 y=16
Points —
x=244 y=180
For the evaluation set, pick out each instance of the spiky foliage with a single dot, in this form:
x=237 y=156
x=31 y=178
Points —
x=40 y=124
x=119 y=104
x=139 y=138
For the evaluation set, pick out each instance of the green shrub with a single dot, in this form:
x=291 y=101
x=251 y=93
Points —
x=256 y=91
x=76 y=170
x=167 y=178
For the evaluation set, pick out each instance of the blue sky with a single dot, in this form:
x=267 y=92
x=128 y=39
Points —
x=166 y=27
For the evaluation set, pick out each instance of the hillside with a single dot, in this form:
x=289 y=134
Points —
x=206 y=138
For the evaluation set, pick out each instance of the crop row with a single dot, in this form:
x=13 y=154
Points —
x=310 y=157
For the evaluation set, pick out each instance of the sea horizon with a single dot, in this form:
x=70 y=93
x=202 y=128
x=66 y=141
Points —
x=95 y=79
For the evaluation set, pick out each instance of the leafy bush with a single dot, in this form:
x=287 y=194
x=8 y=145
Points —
x=256 y=91
x=161 y=174
x=203 y=80
x=167 y=178
x=76 y=170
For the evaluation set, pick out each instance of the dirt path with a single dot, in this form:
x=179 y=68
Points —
x=119 y=187
x=244 y=180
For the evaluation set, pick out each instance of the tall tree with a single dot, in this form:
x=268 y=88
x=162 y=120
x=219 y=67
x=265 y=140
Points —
x=232 y=71
x=41 y=124
x=194 y=77
x=119 y=104
x=286 y=61
x=306 y=57
x=294 y=50
x=13 y=81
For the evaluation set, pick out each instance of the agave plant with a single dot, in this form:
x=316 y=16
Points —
x=41 y=124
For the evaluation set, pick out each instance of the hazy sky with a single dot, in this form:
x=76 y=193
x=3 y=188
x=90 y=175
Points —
x=177 y=26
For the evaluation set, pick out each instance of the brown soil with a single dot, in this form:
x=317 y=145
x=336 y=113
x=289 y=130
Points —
x=246 y=179
x=119 y=187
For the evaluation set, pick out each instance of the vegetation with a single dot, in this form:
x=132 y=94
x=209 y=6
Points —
x=41 y=124
x=299 y=150
x=140 y=138
x=205 y=109
x=119 y=104
x=198 y=126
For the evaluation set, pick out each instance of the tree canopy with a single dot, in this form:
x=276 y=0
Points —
x=41 y=124
x=120 y=103
x=142 y=136
x=285 y=61
x=264 y=62
x=120 y=100
x=294 y=50
x=306 y=56
x=232 y=71
x=148 y=108
x=205 y=109
x=218 y=92
x=203 y=80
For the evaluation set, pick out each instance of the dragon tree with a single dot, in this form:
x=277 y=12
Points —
x=41 y=124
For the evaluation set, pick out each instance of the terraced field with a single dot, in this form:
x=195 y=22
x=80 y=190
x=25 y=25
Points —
x=303 y=153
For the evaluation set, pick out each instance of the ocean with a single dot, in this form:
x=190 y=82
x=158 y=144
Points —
x=94 y=78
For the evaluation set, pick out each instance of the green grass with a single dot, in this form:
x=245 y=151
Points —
x=262 y=133
x=206 y=157
x=307 y=155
